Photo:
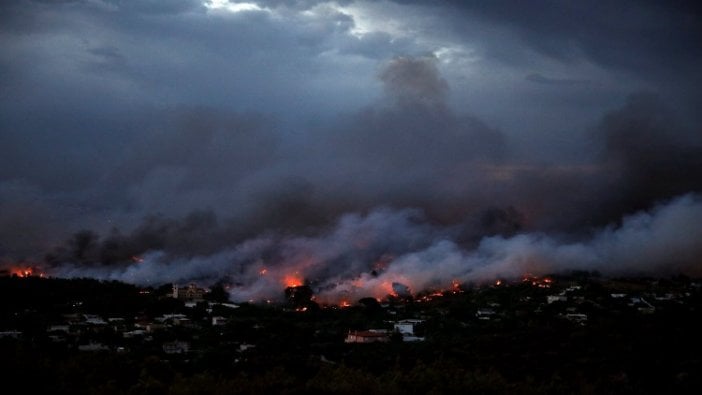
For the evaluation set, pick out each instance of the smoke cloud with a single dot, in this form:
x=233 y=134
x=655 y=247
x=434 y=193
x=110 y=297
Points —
x=412 y=196
x=391 y=252
x=360 y=147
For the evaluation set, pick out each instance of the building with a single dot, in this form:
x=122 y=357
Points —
x=370 y=336
x=92 y=347
x=190 y=293
x=578 y=318
x=176 y=347
x=10 y=334
x=485 y=314
x=556 y=298
x=406 y=327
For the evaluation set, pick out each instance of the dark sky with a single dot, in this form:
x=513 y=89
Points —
x=190 y=128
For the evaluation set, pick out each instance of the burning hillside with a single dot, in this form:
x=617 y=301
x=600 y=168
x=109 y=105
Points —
x=392 y=253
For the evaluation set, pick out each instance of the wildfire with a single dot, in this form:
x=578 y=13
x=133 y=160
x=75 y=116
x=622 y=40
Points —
x=263 y=272
x=25 y=272
x=387 y=287
x=431 y=296
x=344 y=303
x=537 y=282
x=292 y=280
x=137 y=259
x=498 y=283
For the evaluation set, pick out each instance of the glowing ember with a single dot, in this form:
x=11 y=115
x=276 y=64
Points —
x=498 y=283
x=537 y=282
x=263 y=272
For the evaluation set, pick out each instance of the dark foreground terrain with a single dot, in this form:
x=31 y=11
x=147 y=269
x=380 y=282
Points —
x=563 y=334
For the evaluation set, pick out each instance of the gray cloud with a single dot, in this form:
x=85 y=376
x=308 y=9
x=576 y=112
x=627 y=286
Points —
x=540 y=79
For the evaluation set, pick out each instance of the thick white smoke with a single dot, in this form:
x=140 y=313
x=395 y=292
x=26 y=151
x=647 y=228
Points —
x=363 y=255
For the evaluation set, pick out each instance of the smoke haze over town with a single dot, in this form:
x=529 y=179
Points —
x=355 y=146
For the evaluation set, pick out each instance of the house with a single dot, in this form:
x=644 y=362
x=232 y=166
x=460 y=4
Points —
x=117 y=323
x=578 y=318
x=369 y=336
x=173 y=319
x=59 y=328
x=485 y=314
x=92 y=319
x=642 y=305
x=556 y=298
x=134 y=333
x=406 y=327
x=412 y=339
x=10 y=334
x=189 y=293
x=92 y=347
x=176 y=347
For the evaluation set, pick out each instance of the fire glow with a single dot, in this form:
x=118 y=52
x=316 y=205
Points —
x=25 y=272
x=292 y=280
x=544 y=282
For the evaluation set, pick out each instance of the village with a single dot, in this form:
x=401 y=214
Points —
x=187 y=310
x=196 y=328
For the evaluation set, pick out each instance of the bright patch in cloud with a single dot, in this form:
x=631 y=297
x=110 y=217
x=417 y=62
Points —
x=371 y=21
x=233 y=6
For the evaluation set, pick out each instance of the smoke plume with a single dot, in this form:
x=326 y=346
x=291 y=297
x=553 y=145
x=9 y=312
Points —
x=403 y=195
x=397 y=251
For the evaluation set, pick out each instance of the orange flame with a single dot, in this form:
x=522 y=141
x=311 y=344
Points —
x=25 y=272
x=292 y=280
x=387 y=287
